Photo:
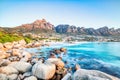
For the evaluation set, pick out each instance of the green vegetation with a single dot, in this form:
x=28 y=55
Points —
x=28 y=40
x=7 y=37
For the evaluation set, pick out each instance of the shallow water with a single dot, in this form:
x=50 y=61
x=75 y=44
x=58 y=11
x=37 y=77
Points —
x=103 y=56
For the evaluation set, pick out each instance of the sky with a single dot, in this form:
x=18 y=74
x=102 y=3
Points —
x=82 y=13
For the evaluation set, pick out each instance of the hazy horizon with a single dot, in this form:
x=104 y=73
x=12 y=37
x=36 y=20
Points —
x=81 y=13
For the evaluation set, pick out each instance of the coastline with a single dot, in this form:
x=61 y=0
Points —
x=18 y=59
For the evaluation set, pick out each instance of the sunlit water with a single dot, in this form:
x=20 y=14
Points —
x=104 y=56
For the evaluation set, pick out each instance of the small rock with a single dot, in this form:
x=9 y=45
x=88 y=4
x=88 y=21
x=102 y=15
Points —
x=31 y=78
x=26 y=54
x=1 y=45
x=67 y=77
x=8 y=45
x=63 y=49
x=3 y=54
x=27 y=74
x=4 y=62
x=16 y=52
x=20 y=77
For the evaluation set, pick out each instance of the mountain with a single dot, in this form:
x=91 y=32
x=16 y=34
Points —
x=38 y=26
x=104 y=31
x=42 y=26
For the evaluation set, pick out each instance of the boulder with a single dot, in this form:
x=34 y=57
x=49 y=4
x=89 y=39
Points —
x=17 y=46
x=4 y=62
x=1 y=45
x=20 y=77
x=8 y=70
x=16 y=52
x=27 y=74
x=8 y=45
x=36 y=44
x=22 y=42
x=56 y=61
x=3 y=54
x=31 y=78
x=43 y=70
x=83 y=74
x=14 y=58
x=3 y=77
x=21 y=66
x=67 y=77
x=26 y=54
x=12 y=77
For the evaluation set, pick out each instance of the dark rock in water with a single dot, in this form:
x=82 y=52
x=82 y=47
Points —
x=63 y=49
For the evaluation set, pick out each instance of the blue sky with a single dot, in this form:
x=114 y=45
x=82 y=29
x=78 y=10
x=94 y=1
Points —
x=83 y=13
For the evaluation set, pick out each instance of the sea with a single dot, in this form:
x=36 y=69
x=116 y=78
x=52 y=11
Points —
x=102 y=56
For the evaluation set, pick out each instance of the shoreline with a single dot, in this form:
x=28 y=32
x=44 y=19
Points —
x=22 y=58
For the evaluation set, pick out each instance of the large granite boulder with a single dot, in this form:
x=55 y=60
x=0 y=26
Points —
x=8 y=70
x=43 y=70
x=83 y=74
x=21 y=66
x=31 y=78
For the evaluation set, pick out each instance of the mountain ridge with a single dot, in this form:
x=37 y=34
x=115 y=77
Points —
x=42 y=26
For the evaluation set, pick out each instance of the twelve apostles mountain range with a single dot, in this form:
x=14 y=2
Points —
x=42 y=26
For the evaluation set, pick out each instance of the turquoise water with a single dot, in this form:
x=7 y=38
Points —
x=104 y=56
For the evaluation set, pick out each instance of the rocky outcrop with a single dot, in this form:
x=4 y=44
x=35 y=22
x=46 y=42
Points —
x=83 y=74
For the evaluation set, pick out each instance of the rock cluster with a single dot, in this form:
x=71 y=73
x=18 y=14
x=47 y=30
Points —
x=18 y=64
